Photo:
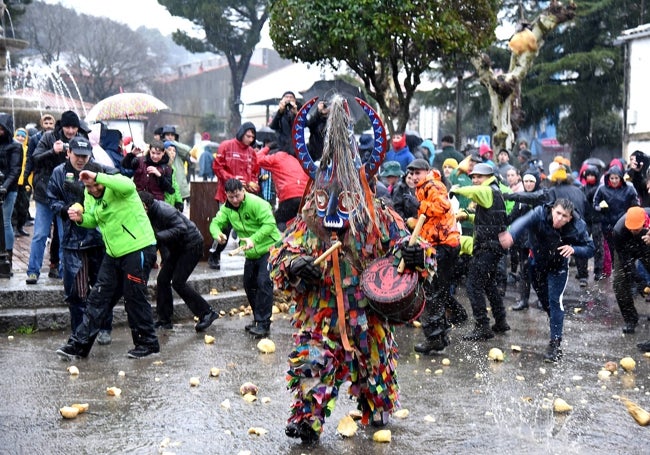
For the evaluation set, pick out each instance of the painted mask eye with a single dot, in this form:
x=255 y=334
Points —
x=347 y=203
x=322 y=199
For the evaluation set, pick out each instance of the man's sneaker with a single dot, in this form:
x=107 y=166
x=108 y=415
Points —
x=583 y=282
x=70 y=351
x=206 y=321
x=32 y=278
x=143 y=350
x=104 y=337
x=163 y=325
x=54 y=272
x=629 y=327
x=500 y=327
x=520 y=305
x=480 y=333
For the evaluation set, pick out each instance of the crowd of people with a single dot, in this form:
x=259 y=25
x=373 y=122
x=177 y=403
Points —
x=487 y=223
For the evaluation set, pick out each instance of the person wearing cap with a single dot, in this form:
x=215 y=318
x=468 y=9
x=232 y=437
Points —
x=489 y=220
x=390 y=173
x=448 y=151
x=282 y=122
x=82 y=249
x=441 y=231
x=49 y=153
x=555 y=233
x=631 y=242
x=111 y=203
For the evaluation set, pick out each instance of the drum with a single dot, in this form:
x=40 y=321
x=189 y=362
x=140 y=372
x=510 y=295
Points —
x=397 y=297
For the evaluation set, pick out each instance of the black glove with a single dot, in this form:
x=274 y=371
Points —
x=413 y=256
x=303 y=267
x=179 y=206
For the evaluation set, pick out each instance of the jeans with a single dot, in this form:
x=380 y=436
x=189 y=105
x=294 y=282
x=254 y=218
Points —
x=42 y=224
x=259 y=288
x=549 y=286
x=7 y=210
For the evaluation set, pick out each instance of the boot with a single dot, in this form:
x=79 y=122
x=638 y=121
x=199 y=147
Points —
x=644 y=347
x=302 y=430
x=521 y=305
x=250 y=326
x=500 y=326
x=553 y=352
x=481 y=332
x=432 y=345
x=261 y=330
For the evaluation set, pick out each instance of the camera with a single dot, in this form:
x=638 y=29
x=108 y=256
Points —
x=290 y=106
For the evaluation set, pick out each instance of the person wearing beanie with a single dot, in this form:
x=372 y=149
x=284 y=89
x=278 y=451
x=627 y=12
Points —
x=448 y=167
x=236 y=159
x=503 y=162
x=448 y=151
x=50 y=152
x=555 y=232
x=636 y=174
x=632 y=243
x=399 y=151
x=21 y=207
x=611 y=200
x=282 y=122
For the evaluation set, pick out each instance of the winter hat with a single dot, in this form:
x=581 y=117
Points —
x=482 y=169
x=391 y=169
x=69 y=118
x=398 y=144
x=418 y=164
x=288 y=92
x=169 y=144
x=205 y=136
x=635 y=218
x=170 y=129
x=484 y=150
x=559 y=175
x=450 y=162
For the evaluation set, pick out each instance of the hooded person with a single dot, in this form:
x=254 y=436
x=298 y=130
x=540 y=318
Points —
x=236 y=159
x=342 y=335
x=11 y=160
x=399 y=151
x=636 y=174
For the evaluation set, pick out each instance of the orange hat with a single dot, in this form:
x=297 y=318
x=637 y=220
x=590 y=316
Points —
x=635 y=218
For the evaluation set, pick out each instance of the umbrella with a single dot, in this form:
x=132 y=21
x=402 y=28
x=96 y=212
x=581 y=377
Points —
x=264 y=134
x=324 y=90
x=123 y=106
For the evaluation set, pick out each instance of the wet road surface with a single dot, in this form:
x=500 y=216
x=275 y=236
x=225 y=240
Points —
x=474 y=405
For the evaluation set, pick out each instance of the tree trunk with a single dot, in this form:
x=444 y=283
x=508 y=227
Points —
x=505 y=89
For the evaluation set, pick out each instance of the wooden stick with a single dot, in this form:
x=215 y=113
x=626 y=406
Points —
x=413 y=239
x=236 y=251
x=329 y=251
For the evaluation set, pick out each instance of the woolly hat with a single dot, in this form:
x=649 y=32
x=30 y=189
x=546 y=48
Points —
x=69 y=118
x=205 y=136
x=169 y=144
x=559 y=175
x=635 y=218
x=525 y=154
x=288 y=92
x=450 y=162
x=484 y=149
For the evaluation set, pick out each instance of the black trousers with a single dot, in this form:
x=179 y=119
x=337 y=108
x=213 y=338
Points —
x=259 y=288
x=437 y=294
x=177 y=266
x=481 y=282
x=125 y=276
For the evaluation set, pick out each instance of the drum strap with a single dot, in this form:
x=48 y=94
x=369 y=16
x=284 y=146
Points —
x=340 y=306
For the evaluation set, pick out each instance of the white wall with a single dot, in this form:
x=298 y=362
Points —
x=638 y=115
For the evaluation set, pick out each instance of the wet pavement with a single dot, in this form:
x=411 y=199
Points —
x=473 y=405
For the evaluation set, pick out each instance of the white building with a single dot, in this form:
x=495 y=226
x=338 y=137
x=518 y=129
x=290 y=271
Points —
x=636 y=109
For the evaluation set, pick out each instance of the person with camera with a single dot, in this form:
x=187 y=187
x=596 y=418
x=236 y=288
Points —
x=50 y=152
x=283 y=121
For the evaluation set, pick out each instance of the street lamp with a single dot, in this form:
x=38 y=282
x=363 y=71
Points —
x=5 y=265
